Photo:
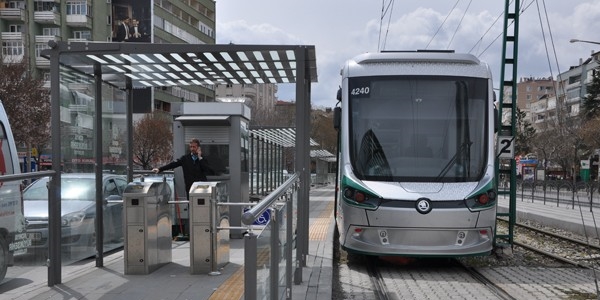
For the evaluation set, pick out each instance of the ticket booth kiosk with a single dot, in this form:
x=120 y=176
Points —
x=222 y=129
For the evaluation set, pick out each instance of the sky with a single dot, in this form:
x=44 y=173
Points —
x=342 y=29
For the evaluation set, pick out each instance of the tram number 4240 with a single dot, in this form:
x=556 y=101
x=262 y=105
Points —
x=506 y=147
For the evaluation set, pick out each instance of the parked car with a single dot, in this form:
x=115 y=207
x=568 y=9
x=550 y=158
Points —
x=12 y=222
x=78 y=210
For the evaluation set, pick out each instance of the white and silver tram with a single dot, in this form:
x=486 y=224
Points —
x=416 y=155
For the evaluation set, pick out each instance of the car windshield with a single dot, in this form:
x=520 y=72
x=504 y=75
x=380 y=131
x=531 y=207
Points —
x=72 y=189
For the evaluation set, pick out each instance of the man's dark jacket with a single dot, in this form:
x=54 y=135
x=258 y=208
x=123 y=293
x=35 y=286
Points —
x=193 y=170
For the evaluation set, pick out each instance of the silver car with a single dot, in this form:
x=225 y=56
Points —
x=78 y=210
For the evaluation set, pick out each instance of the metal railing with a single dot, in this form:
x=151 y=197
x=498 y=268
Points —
x=557 y=192
x=268 y=248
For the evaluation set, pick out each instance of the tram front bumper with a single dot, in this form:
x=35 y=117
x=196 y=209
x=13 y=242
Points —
x=419 y=241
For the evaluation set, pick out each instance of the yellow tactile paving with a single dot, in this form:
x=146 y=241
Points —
x=233 y=287
x=318 y=229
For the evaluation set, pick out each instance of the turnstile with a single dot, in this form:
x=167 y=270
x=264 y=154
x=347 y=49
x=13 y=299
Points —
x=209 y=250
x=148 y=227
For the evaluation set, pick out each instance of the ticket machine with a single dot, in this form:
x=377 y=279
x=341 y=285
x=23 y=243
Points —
x=223 y=132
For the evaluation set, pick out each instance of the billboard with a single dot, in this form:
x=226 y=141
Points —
x=132 y=21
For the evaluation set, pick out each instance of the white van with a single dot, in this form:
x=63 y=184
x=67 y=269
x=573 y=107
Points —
x=12 y=223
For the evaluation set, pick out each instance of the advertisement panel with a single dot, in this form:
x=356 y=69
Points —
x=132 y=22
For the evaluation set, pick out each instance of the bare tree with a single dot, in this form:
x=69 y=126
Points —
x=27 y=105
x=322 y=130
x=153 y=140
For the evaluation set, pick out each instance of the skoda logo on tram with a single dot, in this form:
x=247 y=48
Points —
x=423 y=205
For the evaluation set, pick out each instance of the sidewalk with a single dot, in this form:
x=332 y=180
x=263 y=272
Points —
x=563 y=216
x=174 y=281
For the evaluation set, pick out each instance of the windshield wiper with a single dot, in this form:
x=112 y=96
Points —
x=464 y=146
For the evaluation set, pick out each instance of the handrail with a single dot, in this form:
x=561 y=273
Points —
x=251 y=215
x=30 y=175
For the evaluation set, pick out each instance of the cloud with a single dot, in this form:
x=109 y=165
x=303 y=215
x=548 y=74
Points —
x=240 y=32
x=340 y=30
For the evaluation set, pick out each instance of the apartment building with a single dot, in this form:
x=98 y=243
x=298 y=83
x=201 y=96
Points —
x=260 y=97
x=573 y=83
x=537 y=97
x=26 y=26
x=533 y=96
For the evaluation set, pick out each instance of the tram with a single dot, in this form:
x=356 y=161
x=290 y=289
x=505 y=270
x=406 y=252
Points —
x=416 y=173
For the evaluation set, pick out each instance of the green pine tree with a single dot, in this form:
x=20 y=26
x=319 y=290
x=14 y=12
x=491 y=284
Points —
x=591 y=102
x=525 y=134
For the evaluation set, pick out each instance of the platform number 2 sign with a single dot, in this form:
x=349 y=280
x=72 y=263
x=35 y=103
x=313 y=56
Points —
x=506 y=147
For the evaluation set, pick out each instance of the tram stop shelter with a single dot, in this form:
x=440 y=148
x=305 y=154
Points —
x=109 y=73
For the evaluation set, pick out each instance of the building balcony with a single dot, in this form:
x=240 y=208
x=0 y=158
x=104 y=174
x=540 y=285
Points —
x=12 y=59
x=77 y=40
x=79 y=21
x=573 y=85
x=42 y=63
x=44 y=39
x=46 y=17
x=573 y=100
x=12 y=14
x=12 y=36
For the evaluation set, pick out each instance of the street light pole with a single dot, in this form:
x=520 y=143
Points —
x=582 y=41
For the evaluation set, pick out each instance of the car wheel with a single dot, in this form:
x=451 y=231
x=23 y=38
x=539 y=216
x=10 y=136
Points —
x=3 y=258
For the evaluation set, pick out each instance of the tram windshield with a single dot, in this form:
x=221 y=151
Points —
x=418 y=129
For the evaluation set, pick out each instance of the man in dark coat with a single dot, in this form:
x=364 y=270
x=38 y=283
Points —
x=123 y=34
x=194 y=166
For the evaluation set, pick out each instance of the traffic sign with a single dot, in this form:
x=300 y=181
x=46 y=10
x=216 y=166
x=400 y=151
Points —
x=262 y=219
x=506 y=147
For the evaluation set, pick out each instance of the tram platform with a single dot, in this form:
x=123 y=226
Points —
x=174 y=281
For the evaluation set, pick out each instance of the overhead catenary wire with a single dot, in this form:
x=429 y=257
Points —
x=559 y=108
x=500 y=34
x=384 y=11
x=555 y=55
x=442 y=25
x=388 y=25
x=458 y=26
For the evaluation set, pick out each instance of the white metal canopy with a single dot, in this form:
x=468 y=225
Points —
x=187 y=64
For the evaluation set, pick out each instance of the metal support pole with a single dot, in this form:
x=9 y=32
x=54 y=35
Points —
x=129 y=121
x=99 y=226
x=302 y=160
x=250 y=283
x=289 y=242
x=275 y=245
x=54 y=203
x=213 y=236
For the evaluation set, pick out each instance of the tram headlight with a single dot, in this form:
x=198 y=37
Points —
x=481 y=201
x=359 y=198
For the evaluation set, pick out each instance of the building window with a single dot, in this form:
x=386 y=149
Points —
x=45 y=6
x=39 y=47
x=77 y=8
x=15 y=28
x=528 y=88
x=574 y=79
x=16 y=4
x=82 y=35
x=12 y=48
x=52 y=31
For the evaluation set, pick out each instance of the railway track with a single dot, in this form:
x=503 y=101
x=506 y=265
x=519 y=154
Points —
x=576 y=251
x=390 y=278
x=536 y=248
